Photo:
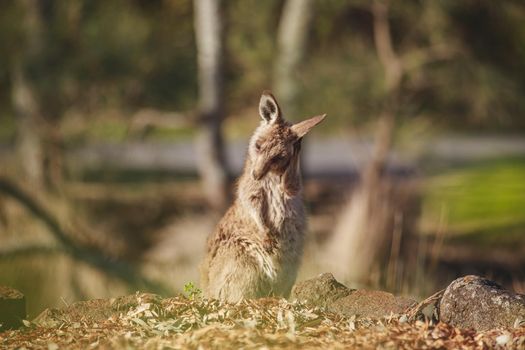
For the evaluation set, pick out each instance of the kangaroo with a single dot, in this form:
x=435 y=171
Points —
x=257 y=246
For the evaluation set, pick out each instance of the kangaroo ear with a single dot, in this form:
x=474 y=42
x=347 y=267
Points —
x=302 y=128
x=268 y=108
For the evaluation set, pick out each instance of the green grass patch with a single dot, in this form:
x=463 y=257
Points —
x=107 y=130
x=482 y=201
x=172 y=134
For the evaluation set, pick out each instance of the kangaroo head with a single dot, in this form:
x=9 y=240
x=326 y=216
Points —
x=276 y=143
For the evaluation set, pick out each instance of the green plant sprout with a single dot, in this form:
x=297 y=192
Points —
x=191 y=291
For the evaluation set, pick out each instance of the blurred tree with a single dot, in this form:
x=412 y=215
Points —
x=367 y=222
x=210 y=145
x=24 y=98
x=294 y=27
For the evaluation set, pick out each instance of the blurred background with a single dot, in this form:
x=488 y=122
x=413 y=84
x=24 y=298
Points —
x=124 y=123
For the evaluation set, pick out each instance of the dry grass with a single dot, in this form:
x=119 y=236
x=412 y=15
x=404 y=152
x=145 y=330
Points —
x=178 y=322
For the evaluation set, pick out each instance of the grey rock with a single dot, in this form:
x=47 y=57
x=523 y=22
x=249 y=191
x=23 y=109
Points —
x=481 y=304
x=371 y=304
x=322 y=290
x=12 y=308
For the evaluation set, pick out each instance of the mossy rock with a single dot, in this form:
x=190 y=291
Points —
x=12 y=308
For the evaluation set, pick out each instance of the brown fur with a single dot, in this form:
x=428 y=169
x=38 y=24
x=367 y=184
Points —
x=256 y=248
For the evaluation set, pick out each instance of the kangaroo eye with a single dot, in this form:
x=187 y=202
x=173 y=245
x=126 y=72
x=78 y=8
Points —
x=278 y=158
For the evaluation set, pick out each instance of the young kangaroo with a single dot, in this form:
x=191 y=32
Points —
x=256 y=248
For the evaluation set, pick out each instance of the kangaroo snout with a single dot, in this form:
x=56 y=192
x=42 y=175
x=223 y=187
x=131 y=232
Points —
x=259 y=171
x=256 y=175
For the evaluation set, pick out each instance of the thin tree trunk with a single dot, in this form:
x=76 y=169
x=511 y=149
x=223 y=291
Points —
x=393 y=74
x=29 y=141
x=361 y=232
x=210 y=143
x=292 y=39
x=24 y=100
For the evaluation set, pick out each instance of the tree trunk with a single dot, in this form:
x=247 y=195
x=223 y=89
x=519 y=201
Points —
x=363 y=230
x=29 y=140
x=23 y=97
x=210 y=143
x=291 y=42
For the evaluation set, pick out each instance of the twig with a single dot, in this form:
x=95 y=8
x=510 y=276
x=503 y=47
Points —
x=392 y=269
x=438 y=241
x=416 y=310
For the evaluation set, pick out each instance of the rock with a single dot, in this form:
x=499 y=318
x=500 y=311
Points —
x=322 y=290
x=371 y=304
x=481 y=304
x=93 y=310
x=12 y=308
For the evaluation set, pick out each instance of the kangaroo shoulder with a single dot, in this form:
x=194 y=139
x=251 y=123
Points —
x=225 y=229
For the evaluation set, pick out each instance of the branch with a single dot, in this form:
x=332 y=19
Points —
x=415 y=311
x=383 y=42
x=422 y=57
x=393 y=74
x=38 y=211
x=28 y=250
x=92 y=257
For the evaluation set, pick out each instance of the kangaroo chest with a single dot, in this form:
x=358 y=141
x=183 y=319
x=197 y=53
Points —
x=276 y=227
x=280 y=212
x=283 y=231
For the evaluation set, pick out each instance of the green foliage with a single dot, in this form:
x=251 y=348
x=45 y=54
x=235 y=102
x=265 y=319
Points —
x=126 y=55
x=99 y=54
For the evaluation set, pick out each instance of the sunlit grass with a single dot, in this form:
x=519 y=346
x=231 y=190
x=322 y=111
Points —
x=107 y=130
x=172 y=134
x=485 y=201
